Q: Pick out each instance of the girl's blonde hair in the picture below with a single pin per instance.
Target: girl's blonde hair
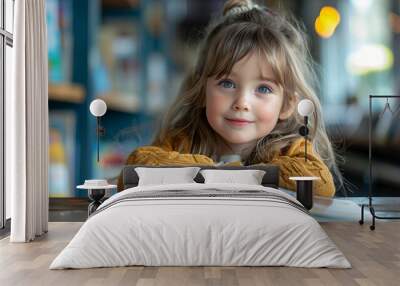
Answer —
(246, 27)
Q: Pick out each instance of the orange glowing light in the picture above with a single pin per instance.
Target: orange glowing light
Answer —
(331, 14)
(323, 28)
(327, 21)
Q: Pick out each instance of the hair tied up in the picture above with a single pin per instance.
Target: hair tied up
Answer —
(233, 7)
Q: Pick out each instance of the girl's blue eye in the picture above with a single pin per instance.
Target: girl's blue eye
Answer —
(264, 89)
(226, 84)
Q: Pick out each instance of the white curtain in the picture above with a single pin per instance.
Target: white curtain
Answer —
(27, 124)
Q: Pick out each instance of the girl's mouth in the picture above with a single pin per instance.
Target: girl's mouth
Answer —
(238, 122)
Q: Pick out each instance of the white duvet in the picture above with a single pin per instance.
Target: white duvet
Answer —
(183, 231)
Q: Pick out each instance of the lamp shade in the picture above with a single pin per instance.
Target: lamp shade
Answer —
(305, 107)
(98, 107)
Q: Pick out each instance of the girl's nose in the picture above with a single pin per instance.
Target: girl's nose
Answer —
(239, 107)
(241, 103)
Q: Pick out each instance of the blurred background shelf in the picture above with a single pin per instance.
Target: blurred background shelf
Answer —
(117, 102)
(115, 50)
(72, 93)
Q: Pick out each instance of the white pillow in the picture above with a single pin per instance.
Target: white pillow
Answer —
(162, 176)
(249, 177)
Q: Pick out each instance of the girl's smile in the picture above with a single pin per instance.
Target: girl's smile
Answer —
(239, 121)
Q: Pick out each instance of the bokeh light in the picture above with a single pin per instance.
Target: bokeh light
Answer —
(327, 21)
(370, 58)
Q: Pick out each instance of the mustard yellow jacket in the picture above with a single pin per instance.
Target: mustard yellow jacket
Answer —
(291, 163)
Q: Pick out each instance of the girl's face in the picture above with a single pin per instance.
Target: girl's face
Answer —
(245, 105)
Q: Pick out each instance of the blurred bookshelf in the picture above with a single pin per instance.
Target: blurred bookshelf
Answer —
(117, 102)
(108, 49)
(72, 93)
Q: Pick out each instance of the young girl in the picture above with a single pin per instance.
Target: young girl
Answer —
(241, 98)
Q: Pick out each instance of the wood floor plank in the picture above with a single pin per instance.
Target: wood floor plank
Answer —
(131, 276)
(212, 273)
(374, 255)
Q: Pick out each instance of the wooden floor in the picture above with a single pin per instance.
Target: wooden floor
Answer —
(374, 255)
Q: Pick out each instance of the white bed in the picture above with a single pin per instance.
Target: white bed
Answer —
(252, 225)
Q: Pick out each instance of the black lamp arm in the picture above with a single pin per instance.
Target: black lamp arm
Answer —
(304, 132)
(100, 131)
(305, 138)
